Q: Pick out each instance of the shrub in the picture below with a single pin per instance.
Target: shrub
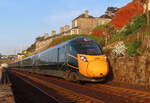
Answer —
(119, 49)
(39, 38)
(136, 25)
(32, 48)
(147, 33)
(26, 54)
(133, 47)
(62, 39)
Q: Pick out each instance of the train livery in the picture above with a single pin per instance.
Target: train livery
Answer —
(79, 59)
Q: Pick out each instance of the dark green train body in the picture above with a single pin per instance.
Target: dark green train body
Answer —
(63, 60)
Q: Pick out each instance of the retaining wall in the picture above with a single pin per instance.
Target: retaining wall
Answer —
(131, 70)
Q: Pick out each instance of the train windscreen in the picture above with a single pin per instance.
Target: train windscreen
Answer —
(87, 47)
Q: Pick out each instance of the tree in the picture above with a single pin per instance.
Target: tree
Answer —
(111, 10)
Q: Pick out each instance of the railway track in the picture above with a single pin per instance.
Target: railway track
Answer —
(63, 95)
(76, 93)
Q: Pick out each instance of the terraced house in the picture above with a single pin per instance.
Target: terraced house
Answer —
(85, 23)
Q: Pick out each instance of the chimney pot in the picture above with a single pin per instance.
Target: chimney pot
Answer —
(86, 13)
(61, 29)
(46, 36)
(53, 33)
(67, 27)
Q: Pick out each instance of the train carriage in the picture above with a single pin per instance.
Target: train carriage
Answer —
(79, 59)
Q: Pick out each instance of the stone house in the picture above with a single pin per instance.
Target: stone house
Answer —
(84, 24)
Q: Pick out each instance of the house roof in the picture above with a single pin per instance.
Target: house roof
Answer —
(83, 16)
(106, 16)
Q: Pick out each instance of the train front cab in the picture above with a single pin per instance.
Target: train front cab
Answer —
(92, 63)
(93, 67)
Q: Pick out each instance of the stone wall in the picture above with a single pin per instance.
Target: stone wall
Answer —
(131, 70)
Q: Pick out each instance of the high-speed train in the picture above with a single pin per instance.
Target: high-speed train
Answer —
(79, 59)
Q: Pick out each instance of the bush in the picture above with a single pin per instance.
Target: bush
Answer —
(133, 47)
(136, 25)
(32, 48)
(26, 54)
(119, 49)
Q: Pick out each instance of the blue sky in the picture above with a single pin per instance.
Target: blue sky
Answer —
(21, 21)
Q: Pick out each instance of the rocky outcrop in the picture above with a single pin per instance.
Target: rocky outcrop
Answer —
(131, 70)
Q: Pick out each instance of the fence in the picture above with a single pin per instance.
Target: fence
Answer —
(145, 39)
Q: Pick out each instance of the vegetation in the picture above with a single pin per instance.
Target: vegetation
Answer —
(31, 48)
(135, 26)
(146, 33)
(119, 49)
(133, 47)
(39, 38)
(62, 39)
(26, 54)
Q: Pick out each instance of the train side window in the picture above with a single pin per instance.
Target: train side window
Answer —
(70, 48)
(72, 51)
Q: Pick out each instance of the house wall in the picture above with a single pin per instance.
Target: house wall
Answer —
(86, 25)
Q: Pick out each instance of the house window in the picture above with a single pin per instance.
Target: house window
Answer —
(101, 22)
(76, 23)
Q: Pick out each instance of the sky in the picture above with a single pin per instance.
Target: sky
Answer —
(21, 21)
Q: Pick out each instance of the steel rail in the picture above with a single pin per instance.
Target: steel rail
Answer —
(39, 89)
(50, 85)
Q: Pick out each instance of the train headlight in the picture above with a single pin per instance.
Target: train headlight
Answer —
(84, 58)
(105, 57)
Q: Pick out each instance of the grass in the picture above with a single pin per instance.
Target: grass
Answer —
(62, 39)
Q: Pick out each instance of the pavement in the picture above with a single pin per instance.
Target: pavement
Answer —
(6, 94)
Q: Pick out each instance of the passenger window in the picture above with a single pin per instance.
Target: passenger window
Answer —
(70, 49)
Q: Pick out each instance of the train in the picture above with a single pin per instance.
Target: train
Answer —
(79, 59)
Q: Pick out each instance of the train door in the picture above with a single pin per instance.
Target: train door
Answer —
(35, 61)
(62, 55)
(58, 53)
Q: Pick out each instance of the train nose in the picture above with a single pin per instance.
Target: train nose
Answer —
(93, 66)
(97, 69)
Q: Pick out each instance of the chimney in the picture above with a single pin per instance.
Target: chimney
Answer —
(67, 27)
(46, 36)
(53, 33)
(86, 13)
(61, 29)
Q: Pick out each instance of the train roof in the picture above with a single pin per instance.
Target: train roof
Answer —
(78, 39)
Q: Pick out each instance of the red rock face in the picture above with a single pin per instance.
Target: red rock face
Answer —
(123, 15)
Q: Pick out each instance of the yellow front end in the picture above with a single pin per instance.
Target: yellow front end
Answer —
(93, 66)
